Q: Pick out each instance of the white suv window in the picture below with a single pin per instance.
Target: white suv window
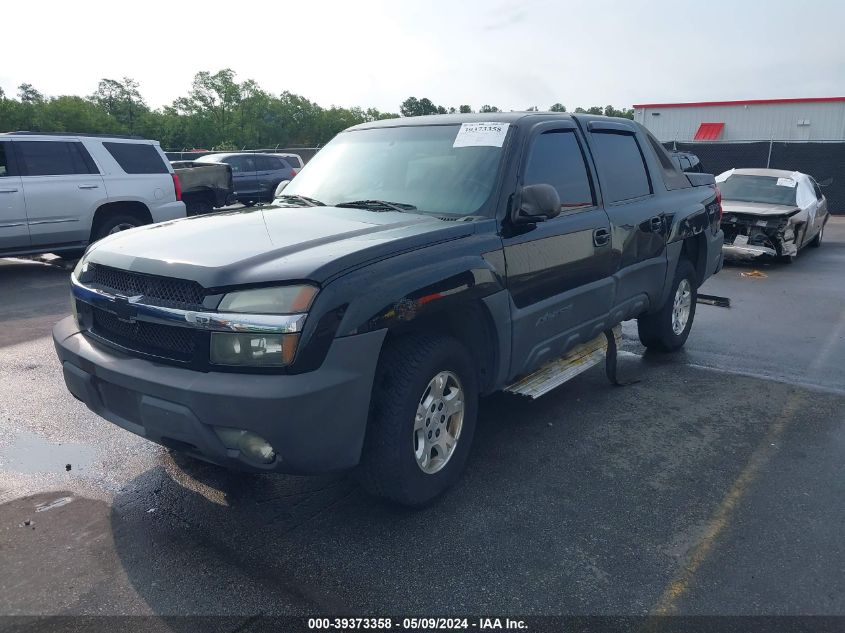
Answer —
(137, 158)
(54, 158)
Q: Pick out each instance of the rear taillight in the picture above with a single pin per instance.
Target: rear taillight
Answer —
(177, 186)
(292, 173)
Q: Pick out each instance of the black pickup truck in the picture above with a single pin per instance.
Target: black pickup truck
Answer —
(413, 266)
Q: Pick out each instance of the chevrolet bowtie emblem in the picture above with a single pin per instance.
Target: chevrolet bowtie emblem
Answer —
(124, 308)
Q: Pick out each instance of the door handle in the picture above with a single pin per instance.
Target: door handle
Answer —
(89, 186)
(8, 190)
(601, 237)
(656, 224)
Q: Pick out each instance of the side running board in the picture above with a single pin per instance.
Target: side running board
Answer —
(556, 372)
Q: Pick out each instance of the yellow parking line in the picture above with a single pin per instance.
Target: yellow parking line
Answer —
(667, 604)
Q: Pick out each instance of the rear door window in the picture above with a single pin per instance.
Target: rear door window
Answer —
(673, 177)
(137, 158)
(54, 158)
(4, 158)
(556, 159)
(241, 164)
(268, 163)
(621, 165)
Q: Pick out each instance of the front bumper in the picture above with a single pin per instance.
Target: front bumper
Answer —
(315, 421)
(748, 252)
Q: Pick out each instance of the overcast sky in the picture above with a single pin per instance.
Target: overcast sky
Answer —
(375, 54)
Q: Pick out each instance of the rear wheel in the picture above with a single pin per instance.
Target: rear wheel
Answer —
(422, 419)
(667, 329)
(116, 224)
(817, 240)
(72, 254)
(199, 207)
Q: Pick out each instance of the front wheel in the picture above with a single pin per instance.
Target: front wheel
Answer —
(422, 419)
(667, 329)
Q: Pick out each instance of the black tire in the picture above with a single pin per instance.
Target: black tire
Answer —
(114, 221)
(199, 207)
(72, 254)
(389, 467)
(817, 240)
(249, 203)
(655, 330)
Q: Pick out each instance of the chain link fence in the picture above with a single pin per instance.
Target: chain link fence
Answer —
(820, 159)
(307, 153)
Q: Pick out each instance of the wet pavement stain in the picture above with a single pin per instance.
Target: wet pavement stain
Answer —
(30, 453)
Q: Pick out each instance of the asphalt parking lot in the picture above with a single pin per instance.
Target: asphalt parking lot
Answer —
(714, 485)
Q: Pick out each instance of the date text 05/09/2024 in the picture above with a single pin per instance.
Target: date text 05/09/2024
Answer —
(415, 624)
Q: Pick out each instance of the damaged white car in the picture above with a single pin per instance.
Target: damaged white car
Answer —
(770, 213)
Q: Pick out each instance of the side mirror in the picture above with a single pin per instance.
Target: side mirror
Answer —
(537, 203)
(826, 182)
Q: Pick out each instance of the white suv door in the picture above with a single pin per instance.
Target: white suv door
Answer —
(14, 233)
(62, 187)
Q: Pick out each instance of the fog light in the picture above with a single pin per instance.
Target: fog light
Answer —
(255, 350)
(256, 447)
(253, 446)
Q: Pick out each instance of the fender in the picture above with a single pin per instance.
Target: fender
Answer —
(398, 291)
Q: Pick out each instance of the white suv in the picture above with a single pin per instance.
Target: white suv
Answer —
(58, 193)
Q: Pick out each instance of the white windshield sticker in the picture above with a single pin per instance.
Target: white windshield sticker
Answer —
(481, 135)
(786, 182)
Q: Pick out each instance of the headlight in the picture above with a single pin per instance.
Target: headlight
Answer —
(278, 300)
(260, 349)
(81, 267)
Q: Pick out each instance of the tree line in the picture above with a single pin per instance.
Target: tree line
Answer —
(218, 112)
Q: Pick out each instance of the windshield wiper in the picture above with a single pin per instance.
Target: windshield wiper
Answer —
(377, 205)
(311, 202)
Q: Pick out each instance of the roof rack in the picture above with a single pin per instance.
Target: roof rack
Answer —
(27, 133)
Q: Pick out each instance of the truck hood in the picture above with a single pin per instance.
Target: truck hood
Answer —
(268, 244)
(758, 208)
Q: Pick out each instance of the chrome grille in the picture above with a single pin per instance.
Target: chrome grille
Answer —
(155, 290)
(167, 341)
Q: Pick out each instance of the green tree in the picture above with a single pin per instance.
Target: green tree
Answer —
(28, 94)
(213, 98)
(122, 100)
(624, 112)
(217, 111)
(419, 107)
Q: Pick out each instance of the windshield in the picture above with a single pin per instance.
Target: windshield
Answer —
(413, 165)
(759, 189)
